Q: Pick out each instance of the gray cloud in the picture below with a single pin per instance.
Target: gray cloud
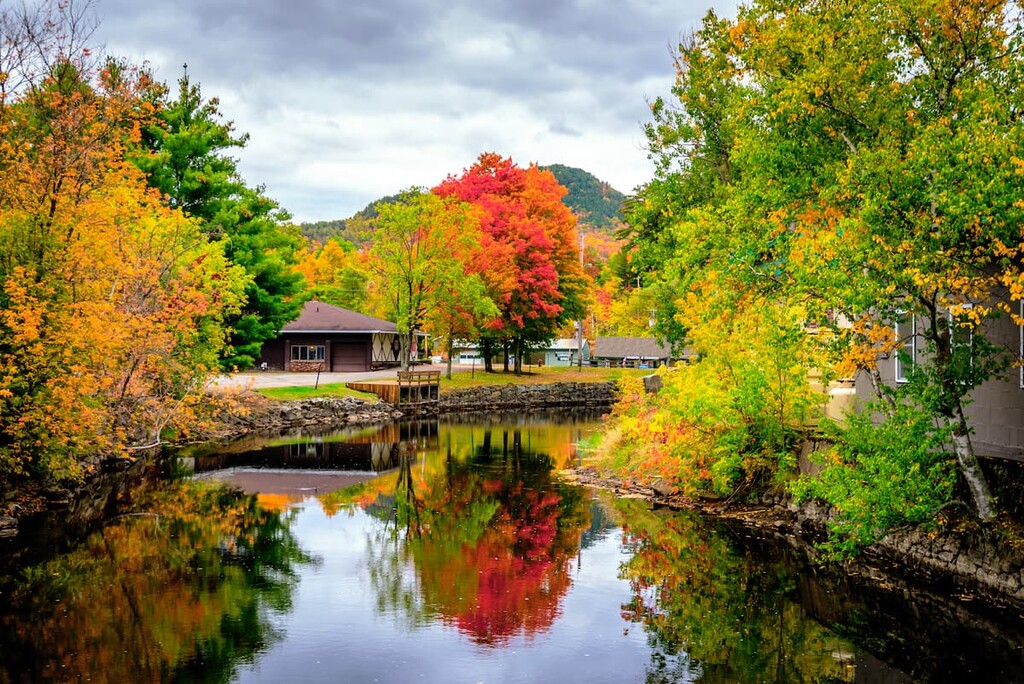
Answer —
(350, 100)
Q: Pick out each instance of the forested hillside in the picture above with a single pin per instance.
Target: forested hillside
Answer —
(595, 203)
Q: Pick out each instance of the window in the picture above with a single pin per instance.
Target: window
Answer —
(307, 352)
(957, 339)
(906, 353)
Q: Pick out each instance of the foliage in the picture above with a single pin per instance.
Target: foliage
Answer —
(487, 536)
(727, 424)
(709, 608)
(111, 303)
(595, 203)
(775, 182)
(419, 253)
(357, 229)
(879, 477)
(335, 273)
(183, 155)
(528, 257)
(190, 578)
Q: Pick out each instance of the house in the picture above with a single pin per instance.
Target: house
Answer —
(632, 351)
(995, 410)
(329, 338)
(562, 352)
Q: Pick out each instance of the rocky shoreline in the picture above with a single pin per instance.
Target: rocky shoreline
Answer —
(973, 567)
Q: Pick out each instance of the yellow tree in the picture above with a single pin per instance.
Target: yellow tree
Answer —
(335, 273)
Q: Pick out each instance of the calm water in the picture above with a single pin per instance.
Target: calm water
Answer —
(463, 560)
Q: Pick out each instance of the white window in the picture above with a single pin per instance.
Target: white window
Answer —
(906, 354)
(308, 352)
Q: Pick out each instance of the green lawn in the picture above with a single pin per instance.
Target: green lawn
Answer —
(534, 375)
(335, 389)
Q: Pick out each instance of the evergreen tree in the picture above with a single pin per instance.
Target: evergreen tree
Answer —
(184, 155)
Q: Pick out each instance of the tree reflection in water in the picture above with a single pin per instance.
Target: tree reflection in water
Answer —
(490, 538)
(181, 590)
(711, 609)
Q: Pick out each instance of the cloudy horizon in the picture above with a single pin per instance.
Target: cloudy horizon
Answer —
(347, 102)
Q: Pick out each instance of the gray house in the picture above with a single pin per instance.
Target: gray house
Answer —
(562, 352)
(631, 351)
(996, 408)
(329, 338)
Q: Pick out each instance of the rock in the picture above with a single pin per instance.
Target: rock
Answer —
(8, 527)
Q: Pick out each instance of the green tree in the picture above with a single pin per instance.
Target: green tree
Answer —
(184, 155)
(777, 176)
(420, 246)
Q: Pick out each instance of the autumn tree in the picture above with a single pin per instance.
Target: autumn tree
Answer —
(335, 273)
(184, 155)
(111, 303)
(420, 245)
(857, 164)
(529, 252)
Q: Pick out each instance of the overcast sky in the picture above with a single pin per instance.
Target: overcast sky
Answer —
(350, 100)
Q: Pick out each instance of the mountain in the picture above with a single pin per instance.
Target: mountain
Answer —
(595, 203)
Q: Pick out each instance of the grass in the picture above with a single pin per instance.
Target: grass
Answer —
(463, 379)
(333, 390)
(534, 375)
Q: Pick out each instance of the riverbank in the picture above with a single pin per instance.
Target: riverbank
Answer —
(975, 566)
(965, 562)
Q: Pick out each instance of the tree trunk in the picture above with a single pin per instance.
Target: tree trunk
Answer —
(981, 496)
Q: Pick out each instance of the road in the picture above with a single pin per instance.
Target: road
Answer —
(264, 379)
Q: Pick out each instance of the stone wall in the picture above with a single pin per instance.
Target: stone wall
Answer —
(503, 397)
(307, 366)
(262, 415)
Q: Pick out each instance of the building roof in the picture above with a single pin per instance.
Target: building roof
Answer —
(630, 348)
(321, 318)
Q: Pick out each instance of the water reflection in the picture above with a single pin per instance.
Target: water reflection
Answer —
(463, 559)
(712, 610)
(488, 533)
(182, 590)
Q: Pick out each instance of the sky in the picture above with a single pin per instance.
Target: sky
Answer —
(347, 101)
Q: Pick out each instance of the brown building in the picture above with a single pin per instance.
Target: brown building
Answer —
(329, 338)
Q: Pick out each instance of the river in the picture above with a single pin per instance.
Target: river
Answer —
(453, 553)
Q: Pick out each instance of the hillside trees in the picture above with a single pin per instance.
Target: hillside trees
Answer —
(184, 155)
(861, 163)
(529, 251)
(111, 303)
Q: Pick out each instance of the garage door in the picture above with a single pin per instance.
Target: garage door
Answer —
(349, 356)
